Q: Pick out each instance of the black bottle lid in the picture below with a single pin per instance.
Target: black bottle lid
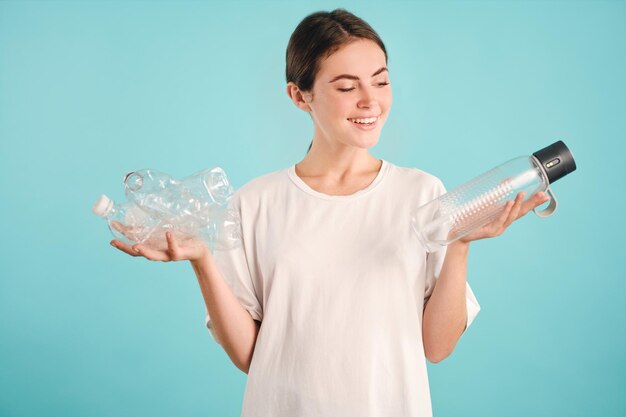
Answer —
(556, 160)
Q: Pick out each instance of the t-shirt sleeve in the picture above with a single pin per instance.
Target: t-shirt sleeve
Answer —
(434, 264)
(234, 266)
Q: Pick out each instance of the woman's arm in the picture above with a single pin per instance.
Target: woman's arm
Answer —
(445, 314)
(233, 326)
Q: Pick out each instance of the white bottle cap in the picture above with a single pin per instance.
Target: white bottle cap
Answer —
(103, 206)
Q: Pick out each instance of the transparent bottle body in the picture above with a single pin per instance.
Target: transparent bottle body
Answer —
(132, 225)
(193, 207)
(477, 202)
(224, 231)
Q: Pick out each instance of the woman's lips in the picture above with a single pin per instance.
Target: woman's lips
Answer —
(364, 126)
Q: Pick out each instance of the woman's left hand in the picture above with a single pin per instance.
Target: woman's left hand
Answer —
(513, 210)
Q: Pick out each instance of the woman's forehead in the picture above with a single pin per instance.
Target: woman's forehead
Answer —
(361, 58)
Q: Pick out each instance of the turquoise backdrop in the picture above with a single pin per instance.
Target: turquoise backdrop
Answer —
(92, 90)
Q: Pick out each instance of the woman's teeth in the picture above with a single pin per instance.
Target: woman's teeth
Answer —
(369, 120)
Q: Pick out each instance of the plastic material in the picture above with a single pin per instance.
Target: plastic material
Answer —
(472, 205)
(195, 207)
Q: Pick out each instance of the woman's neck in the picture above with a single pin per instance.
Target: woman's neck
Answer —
(338, 164)
(342, 172)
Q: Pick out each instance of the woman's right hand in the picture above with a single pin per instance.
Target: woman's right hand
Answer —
(192, 249)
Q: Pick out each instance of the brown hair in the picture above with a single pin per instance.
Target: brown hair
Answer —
(318, 36)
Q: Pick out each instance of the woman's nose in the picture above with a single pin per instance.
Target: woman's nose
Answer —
(367, 98)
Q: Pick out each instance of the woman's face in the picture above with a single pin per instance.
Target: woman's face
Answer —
(351, 95)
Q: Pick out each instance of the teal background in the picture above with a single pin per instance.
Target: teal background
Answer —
(92, 90)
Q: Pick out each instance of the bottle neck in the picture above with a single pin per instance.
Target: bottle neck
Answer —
(543, 175)
(110, 210)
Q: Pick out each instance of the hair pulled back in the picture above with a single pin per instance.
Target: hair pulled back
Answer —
(318, 36)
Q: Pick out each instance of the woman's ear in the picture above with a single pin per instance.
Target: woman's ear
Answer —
(300, 99)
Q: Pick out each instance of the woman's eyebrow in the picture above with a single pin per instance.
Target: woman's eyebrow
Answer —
(354, 77)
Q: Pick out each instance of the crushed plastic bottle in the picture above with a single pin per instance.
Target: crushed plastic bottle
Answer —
(130, 224)
(481, 200)
(195, 207)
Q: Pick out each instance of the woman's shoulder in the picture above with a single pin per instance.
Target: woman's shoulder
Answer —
(262, 184)
(415, 176)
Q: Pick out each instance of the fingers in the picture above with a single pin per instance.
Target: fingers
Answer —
(508, 215)
(130, 232)
(521, 208)
(512, 210)
(152, 254)
(118, 226)
(171, 241)
(139, 250)
(515, 210)
(172, 246)
(509, 209)
(173, 252)
(536, 200)
(123, 247)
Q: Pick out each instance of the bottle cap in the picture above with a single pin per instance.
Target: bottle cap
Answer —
(103, 206)
(556, 160)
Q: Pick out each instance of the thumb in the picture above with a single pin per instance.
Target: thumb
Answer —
(173, 247)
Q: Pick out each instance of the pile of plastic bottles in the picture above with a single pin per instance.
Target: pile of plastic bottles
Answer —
(192, 208)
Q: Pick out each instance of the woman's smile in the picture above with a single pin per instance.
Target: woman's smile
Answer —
(366, 123)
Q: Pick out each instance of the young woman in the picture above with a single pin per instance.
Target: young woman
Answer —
(331, 305)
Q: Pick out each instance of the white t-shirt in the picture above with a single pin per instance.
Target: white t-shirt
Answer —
(339, 284)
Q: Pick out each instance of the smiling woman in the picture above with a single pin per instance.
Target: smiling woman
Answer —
(329, 267)
(331, 305)
(363, 122)
(317, 38)
(352, 94)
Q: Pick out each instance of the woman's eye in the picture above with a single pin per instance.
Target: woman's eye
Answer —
(345, 90)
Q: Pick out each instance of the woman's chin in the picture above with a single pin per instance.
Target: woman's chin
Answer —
(362, 141)
(366, 143)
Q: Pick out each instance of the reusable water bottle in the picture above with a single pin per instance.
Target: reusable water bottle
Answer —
(481, 200)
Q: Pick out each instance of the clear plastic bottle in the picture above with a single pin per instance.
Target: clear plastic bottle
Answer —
(481, 200)
(224, 231)
(190, 203)
(130, 223)
(193, 207)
